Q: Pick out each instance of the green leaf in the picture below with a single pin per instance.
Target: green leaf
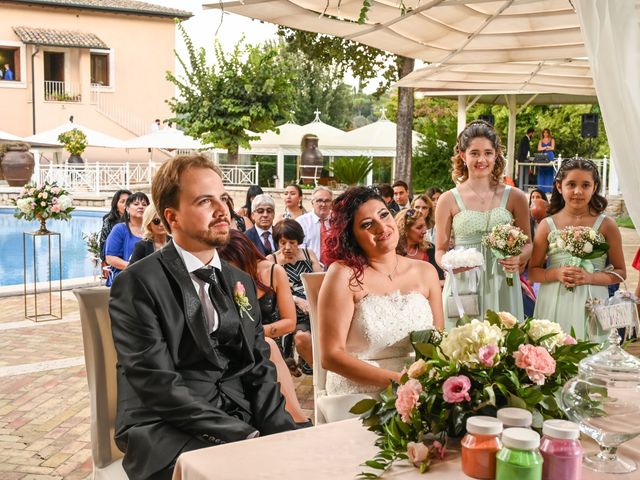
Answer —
(517, 402)
(374, 464)
(493, 318)
(363, 406)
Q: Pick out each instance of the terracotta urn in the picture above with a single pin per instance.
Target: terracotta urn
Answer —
(17, 165)
(309, 159)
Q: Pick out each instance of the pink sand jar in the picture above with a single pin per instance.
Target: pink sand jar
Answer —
(561, 451)
(479, 447)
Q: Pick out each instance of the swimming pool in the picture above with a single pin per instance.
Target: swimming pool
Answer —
(76, 261)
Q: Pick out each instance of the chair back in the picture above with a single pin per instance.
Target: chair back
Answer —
(100, 360)
(312, 283)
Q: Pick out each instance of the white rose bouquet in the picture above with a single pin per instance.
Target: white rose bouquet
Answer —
(582, 244)
(462, 258)
(505, 241)
(42, 202)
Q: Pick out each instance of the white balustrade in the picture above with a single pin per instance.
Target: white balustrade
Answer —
(55, 91)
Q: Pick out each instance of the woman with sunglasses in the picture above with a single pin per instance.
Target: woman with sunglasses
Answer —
(154, 235)
(479, 202)
(125, 235)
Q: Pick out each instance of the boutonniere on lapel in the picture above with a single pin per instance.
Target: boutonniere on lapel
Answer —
(240, 296)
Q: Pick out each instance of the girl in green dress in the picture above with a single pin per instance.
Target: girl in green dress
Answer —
(575, 201)
(466, 213)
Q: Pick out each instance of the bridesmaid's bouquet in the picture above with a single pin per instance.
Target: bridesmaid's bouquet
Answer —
(505, 241)
(582, 244)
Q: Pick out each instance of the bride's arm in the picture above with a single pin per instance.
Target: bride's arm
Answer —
(335, 312)
(433, 293)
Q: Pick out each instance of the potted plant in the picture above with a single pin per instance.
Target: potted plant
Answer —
(16, 163)
(41, 202)
(75, 142)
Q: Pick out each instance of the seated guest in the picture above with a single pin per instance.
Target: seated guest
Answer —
(238, 222)
(386, 192)
(125, 235)
(261, 234)
(401, 194)
(277, 309)
(371, 299)
(292, 203)
(538, 205)
(154, 235)
(193, 365)
(424, 205)
(115, 215)
(412, 243)
(434, 194)
(315, 224)
(296, 261)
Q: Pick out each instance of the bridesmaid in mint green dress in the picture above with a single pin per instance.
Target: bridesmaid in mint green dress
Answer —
(466, 213)
(575, 201)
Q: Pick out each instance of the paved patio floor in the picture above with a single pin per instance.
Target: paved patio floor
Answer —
(44, 398)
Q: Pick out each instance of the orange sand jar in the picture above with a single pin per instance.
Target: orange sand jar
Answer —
(480, 445)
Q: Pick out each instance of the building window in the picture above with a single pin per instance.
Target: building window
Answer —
(10, 62)
(100, 69)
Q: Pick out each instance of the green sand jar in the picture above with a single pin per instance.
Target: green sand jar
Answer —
(519, 458)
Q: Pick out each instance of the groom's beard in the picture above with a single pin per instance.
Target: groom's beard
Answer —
(213, 236)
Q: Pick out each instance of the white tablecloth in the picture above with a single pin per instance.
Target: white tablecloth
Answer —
(329, 452)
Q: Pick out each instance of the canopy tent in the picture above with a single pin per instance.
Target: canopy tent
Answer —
(490, 32)
(9, 137)
(94, 138)
(167, 138)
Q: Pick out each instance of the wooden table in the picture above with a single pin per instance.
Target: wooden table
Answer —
(333, 451)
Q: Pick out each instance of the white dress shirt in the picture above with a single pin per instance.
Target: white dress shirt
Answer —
(310, 223)
(202, 288)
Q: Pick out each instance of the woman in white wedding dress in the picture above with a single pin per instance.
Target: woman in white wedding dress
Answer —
(371, 298)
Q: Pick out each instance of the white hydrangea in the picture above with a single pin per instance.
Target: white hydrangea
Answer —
(540, 328)
(24, 204)
(65, 201)
(462, 344)
(463, 258)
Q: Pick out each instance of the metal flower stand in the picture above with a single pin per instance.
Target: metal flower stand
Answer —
(50, 286)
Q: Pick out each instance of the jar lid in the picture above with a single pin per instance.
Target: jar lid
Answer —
(481, 425)
(520, 439)
(612, 366)
(515, 417)
(561, 429)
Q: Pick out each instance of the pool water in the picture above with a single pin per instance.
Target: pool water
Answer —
(76, 260)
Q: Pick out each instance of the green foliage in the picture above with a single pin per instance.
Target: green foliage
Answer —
(625, 222)
(432, 164)
(351, 171)
(251, 88)
(74, 141)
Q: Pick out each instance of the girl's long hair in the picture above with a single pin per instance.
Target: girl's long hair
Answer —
(597, 204)
(475, 129)
(242, 253)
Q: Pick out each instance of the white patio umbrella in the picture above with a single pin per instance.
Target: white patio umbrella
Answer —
(94, 138)
(10, 137)
(167, 138)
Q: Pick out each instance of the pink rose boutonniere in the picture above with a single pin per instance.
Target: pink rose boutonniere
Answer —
(240, 296)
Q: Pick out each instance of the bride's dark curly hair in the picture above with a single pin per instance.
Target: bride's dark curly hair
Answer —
(475, 129)
(340, 243)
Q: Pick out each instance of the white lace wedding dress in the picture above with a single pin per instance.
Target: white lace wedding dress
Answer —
(379, 335)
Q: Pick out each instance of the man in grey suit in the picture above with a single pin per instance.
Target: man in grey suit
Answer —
(193, 366)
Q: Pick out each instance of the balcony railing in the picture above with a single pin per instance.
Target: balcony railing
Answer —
(55, 91)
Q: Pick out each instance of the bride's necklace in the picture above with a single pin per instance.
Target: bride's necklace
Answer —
(483, 198)
(388, 275)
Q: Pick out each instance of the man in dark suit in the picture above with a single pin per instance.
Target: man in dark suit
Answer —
(193, 366)
(524, 148)
(263, 211)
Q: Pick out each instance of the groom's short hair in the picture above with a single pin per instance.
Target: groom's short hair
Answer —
(165, 187)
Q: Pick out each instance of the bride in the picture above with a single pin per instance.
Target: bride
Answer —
(371, 298)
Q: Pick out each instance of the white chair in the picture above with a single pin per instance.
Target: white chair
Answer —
(100, 360)
(332, 408)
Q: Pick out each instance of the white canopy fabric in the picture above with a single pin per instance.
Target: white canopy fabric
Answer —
(289, 139)
(94, 138)
(379, 137)
(436, 31)
(167, 138)
(10, 137)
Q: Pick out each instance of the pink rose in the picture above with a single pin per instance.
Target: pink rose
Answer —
(240, 290)
(417, 452)
(456, 389)
(55, 208)
(536, 361)
(55, 190)
(408, 395)
(487, 355)
(569, 340)
(439, 449)
(417, 368)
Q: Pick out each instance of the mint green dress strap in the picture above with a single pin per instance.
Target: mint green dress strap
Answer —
(552, 225)
(505, 196)
(456, 195)
(598, 222)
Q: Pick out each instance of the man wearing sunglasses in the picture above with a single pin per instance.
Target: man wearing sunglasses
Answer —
(263, 211)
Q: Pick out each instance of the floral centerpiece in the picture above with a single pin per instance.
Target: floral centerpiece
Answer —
(582, 244)
(505, 241)
(43, 201)
(475, 369)
(93, 246)
(74, 140)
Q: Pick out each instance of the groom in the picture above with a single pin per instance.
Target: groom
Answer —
(193, 366)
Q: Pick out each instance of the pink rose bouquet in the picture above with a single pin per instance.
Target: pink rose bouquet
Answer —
(474, 369)
(505, 241)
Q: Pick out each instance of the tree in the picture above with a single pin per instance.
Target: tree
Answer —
(250, 89)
